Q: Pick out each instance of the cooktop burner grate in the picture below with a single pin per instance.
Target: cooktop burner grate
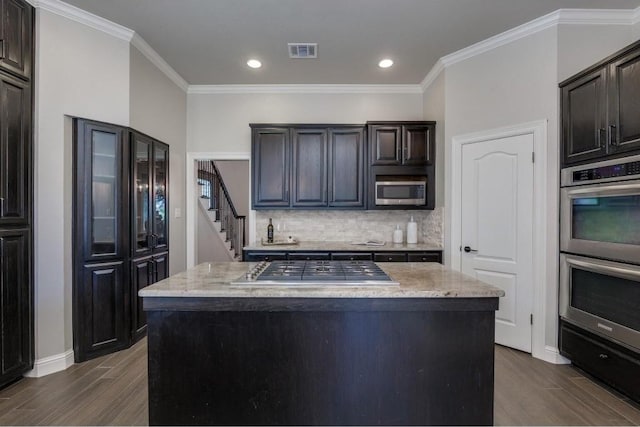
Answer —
(355, 273)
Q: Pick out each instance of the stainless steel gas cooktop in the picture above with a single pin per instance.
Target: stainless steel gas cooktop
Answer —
(315, 273)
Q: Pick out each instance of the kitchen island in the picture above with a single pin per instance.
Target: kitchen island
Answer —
(420, 352)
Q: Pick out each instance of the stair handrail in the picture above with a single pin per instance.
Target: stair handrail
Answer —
(226, 193)
(223, 206)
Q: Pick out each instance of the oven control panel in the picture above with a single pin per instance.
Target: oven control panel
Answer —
(606, 171)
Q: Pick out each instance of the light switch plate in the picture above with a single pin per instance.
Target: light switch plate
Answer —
(177, 213)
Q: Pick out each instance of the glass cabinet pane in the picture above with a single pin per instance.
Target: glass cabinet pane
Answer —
(612, 219)
(104, 192)
(159, 200)
(142, 195)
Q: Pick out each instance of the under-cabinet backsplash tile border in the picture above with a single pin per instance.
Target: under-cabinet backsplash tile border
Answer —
(347, 226)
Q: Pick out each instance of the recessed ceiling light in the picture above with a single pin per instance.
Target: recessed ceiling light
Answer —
(385, 63)
(254, 63)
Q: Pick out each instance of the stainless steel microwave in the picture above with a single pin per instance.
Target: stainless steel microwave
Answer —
(411, 191)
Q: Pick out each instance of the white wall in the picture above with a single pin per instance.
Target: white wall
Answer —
(79, 72)
(220, 122)
(580, 46)
(513, 84)
(159, 108)
(434, 102)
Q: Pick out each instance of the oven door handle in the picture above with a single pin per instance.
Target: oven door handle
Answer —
(605, 267)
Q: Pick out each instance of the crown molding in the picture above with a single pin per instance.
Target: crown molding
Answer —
(432, 75)
(83, 17)
(596, 16)
(559, 17)
(305, 88)
(636, 16)
(157, 60)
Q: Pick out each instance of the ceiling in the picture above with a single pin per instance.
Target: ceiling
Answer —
(209, 41)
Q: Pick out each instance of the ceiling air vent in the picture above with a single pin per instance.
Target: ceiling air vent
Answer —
(303, 50)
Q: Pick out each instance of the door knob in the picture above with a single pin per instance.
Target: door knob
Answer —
(468, 249)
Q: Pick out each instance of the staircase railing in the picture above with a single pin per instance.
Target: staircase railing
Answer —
(212, 187)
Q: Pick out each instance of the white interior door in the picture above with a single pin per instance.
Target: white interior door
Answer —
(497, 229)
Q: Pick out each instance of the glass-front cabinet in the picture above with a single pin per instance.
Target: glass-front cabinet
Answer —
(101, 191)
(120, 233)
(150, 170)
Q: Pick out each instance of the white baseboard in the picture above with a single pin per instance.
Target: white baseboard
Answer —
(51, 364)
(552, 355)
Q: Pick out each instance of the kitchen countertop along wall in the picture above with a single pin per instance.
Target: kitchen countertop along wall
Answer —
(341, 246)
(350, 226)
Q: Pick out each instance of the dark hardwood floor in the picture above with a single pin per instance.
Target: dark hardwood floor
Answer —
(112, 390)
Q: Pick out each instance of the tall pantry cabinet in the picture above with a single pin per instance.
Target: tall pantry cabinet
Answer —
(16, 216)
(120, 233)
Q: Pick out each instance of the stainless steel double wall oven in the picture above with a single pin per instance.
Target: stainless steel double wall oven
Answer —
(600, 248)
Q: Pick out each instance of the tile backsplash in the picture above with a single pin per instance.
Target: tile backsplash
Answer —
(347, 226)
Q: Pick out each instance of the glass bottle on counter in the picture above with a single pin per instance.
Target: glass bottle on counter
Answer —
(270, 232)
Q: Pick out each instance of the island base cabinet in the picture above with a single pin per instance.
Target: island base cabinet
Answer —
(310, 365)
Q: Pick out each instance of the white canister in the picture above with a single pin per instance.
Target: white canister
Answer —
(397, 234)
(412, 231)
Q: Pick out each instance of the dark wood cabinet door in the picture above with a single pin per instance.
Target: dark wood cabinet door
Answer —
(161, 266)
(160, 206)
(431, 256)
(15, 305)
(390, 256)
(584, 118)
(103, 306)
(252, 256)
(346, 167)
(142, 273)
(102, 191)
(624, 103)
(15, 152)
(385, 145)
(16, 44)
(418, 144)
(309, 167)
(142, 194)
(270, 153)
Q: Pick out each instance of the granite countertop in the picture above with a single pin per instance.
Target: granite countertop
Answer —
(342, 246)
(417, 280)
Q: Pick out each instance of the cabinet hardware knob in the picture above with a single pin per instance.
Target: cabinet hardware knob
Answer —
(603, 356)
(390, 258)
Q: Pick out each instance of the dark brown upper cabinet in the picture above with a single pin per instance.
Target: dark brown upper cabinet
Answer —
(270, 153)
(401, 143)
(150, 162)
(16, 37)
(600, 109)
(584, 117)
(624, 103)
(320, 166)
(309, 167)
(346, 167)
(15, 154)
